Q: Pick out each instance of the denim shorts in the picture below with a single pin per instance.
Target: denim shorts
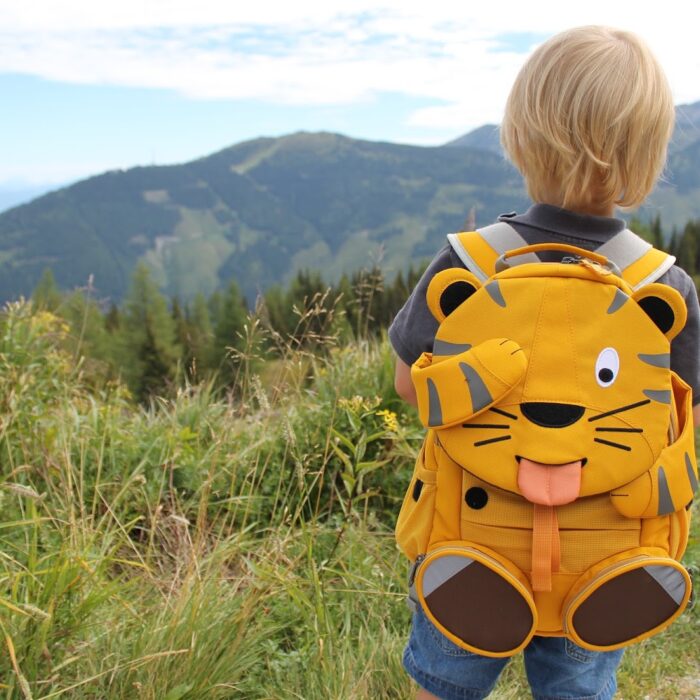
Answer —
(557, 669)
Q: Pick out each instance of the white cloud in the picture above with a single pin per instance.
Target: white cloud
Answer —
(312, 52)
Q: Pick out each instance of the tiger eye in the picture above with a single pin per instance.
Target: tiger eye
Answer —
(605, 375)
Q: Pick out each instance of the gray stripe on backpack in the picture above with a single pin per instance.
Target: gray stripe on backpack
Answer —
(665, 500)
(443, 347)
(691, 473)
(443, 570)
(434, 407)
(480, 395)
(618, 301)
(663, 359)
(658, 395)
(671, 580)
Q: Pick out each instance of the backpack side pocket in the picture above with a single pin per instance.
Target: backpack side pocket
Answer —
(416, 516)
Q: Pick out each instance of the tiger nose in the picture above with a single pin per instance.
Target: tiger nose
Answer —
(551, 415)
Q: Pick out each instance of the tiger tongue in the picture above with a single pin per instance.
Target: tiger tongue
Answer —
(548, 484)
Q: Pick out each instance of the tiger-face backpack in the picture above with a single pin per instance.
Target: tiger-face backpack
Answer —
(551, 494)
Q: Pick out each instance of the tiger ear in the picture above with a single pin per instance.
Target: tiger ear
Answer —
(664, 306)
(448, 289)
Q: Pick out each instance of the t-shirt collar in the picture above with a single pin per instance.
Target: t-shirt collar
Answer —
(568, 223)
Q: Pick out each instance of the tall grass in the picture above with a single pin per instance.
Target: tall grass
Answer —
(212, 546)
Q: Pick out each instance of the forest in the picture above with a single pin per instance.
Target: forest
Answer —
(156, 344)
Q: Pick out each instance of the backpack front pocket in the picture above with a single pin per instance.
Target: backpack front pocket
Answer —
(625, 599)
(477, 599)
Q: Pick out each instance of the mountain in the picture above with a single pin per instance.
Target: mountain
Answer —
(12, 195)
(263, 209)
(485, 137)
(687, 129)
(686, 132)
(677, 197)
(257, 212)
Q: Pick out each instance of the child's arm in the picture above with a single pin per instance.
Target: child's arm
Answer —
(404, 386)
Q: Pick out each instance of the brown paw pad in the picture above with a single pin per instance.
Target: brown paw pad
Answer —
(476, 604)
(629, 605)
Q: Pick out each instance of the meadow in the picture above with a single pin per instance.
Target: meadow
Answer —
(218, 544)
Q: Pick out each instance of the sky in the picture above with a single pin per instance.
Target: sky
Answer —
(95, 86)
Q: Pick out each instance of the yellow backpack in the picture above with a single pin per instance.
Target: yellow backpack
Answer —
(551, 494)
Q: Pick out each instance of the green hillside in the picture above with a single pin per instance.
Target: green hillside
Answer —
(261, 210)
(257, 212)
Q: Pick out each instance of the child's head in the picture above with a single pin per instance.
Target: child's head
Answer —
(588, 120)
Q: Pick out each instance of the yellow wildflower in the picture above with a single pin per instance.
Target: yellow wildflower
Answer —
(391, 421)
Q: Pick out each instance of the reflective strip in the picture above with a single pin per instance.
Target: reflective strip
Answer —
(624, 248)
(665, 500)
(648, 268)
(502, 237)
(434, 408)
(480, 249)
(477, 389)
(663, 359)
(691, 473)
(443, 347)
(658, 395)
(665, 266)
(618, 301)
(494, 291)
(671, 580)
(640, 263)
(442, 570)
(465, 257)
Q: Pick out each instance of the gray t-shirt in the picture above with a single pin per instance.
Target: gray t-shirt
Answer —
(413, 330)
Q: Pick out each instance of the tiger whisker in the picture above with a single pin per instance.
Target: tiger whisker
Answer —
(504, 413)
(619, 430)
(620, 410)
(612, 444)
(494, 426)
(480, 443)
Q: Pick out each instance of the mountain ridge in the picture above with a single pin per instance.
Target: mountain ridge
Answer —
(262, 209)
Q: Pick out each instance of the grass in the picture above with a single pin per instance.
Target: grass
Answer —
(209, 547)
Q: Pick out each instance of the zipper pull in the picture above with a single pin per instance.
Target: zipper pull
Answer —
(414, 568)
(412, 599)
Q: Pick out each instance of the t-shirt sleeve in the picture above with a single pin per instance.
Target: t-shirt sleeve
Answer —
(685, 347)
(413, 329)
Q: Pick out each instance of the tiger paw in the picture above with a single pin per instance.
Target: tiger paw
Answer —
(482, 604)
(451, 390)
(627, 602)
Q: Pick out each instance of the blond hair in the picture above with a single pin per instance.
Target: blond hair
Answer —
(588, 119)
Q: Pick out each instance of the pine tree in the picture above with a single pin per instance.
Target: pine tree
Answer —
(228, 332)
(150, 350)
(156, 366)
(46, 294)
(90, 336)
(687, 252)
(276, 311)
(657, 236)
(183, 335)
(202, 335)
(113, 319)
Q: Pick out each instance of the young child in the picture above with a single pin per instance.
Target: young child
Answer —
(587, 123)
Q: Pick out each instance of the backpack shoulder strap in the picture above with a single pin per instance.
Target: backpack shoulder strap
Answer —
(638, 260)
(480, 249)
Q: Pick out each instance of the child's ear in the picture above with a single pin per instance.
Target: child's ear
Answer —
(448, 289)
(664, 306)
